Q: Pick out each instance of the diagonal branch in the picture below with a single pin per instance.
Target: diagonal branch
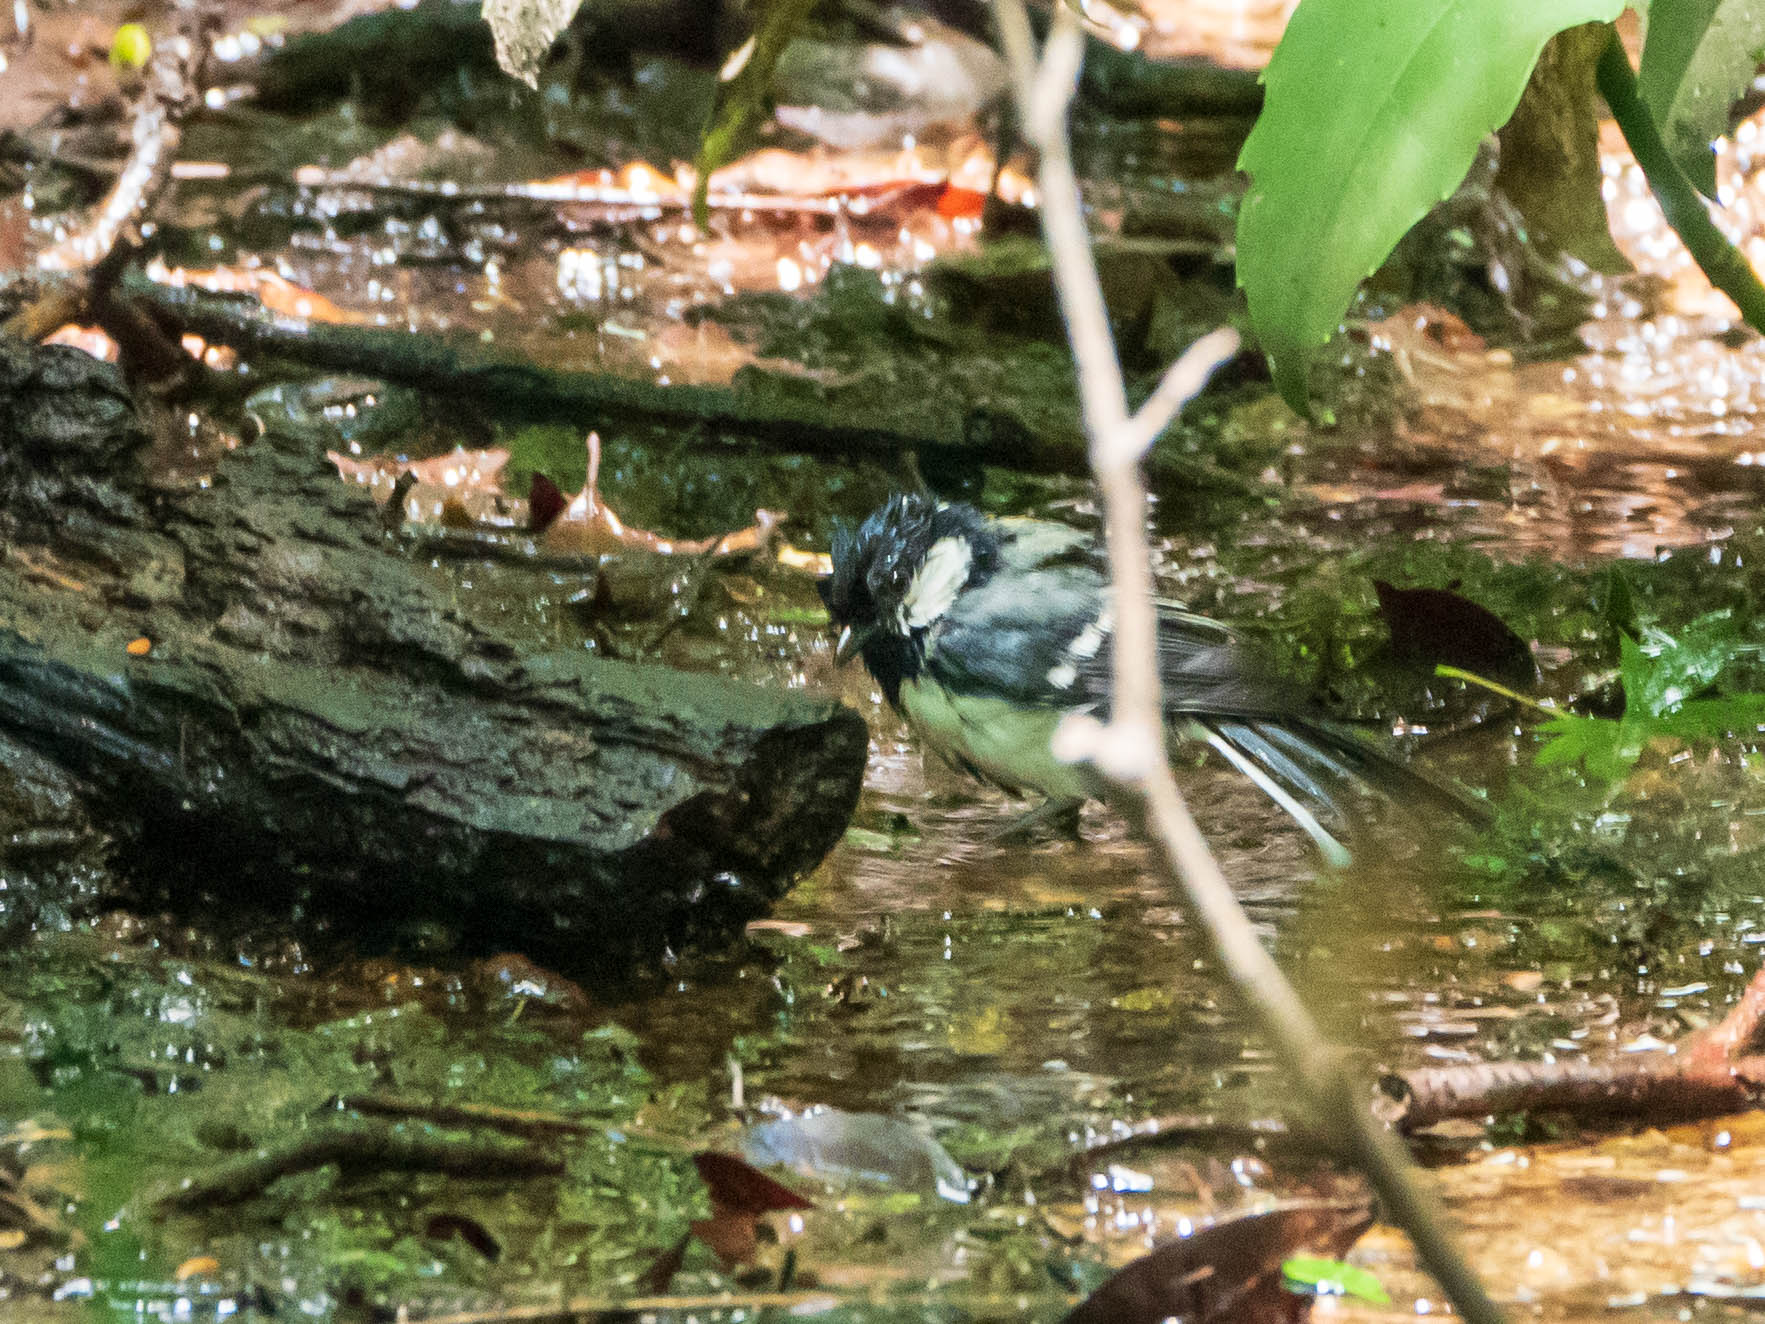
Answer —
(1129, 748)
(172, 85)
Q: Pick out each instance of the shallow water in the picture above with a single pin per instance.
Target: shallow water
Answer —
(1022, 1001)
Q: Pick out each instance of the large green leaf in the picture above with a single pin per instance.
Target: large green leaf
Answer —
(1698, 58)
(1372, 113)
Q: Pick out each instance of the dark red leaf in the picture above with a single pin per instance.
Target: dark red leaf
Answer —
(1435, 625)
(1229, 1271)
(544, 503)
(659, 1277)
(742, 1188)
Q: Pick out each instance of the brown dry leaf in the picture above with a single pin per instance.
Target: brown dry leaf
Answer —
(740, 1195)
(589, 526)
(821, 180)
(464, 488)
(459, 471)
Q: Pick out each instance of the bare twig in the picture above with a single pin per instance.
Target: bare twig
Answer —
(170, 91)
(1129, 748)
(1649, 1090)
(73, 278)
(358, 1151)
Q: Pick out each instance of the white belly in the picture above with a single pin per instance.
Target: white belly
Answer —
(995, 740)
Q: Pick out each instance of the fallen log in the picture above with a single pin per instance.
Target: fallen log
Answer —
(263, 695)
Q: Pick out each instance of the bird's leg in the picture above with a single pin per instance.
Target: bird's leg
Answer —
(1056, 817)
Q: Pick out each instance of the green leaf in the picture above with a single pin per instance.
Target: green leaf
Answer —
(1373, 113)
(1698, 58)
(744, 92)
(1661, 671)
(1605, 748)
(1713, 719)
(1320, 1277)
(1662, 675)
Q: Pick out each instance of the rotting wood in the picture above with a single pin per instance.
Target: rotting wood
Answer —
(313, 717)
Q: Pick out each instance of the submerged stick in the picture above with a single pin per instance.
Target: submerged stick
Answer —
(785, 415)
(358, 1151)
(1650, 1090)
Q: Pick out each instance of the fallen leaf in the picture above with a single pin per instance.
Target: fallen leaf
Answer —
(741, 1187)
(275, 292)
(1431, 626)
(589, 526)
(1230, 1270)
(544, 503)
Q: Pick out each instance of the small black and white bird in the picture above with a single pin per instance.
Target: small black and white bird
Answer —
(985, 633)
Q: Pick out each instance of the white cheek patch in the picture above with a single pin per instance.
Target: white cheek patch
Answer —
(936, 583)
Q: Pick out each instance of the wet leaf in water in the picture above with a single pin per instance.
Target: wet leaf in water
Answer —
(742, 1188)
(1435, 625)
(830, 1143)
(458, 472)
(1306, 1275)
(740, 1194)
(276, 292)
(1229, 1271)
(544, 503)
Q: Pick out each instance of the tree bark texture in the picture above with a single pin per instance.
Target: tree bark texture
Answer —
(315, 715)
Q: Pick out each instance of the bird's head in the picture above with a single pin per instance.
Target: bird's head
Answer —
(897, 574)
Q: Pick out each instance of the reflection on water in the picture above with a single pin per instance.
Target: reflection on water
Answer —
(1652, 438)
(1056, 990)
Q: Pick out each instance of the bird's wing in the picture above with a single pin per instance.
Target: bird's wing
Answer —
(1014, 637)
(1040, 635)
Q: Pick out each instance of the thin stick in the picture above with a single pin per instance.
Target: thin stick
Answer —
(1129, 748)
(170, 90)
(1655, 1089)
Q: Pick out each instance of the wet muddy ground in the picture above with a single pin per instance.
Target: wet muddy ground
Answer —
(1016, 1002)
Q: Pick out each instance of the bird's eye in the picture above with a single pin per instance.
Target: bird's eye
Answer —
(897, 578)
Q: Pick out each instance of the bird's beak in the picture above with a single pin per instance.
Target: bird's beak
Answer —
(852, 642)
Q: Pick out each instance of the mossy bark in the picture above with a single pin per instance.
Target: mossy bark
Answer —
(313, 714)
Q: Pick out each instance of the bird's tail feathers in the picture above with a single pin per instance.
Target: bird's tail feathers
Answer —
(1310, 768)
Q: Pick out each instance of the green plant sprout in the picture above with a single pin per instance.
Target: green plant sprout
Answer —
(1667, 682)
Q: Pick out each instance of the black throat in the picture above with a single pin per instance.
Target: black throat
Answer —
(904, 533)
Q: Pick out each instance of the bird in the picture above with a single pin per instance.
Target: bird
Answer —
(986, 633)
